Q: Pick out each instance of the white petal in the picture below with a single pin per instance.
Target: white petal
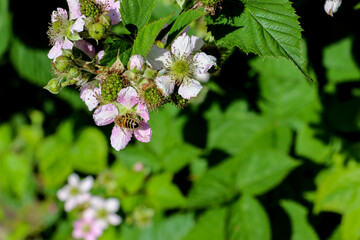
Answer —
(73, 179)
(63, 193)
(97, 202)
(196, 43)
(190, 88)
(70, 204)
(202, 77)
(105, 114)
(86, 184)
(74, 9)
(182, 46)
(143, 111)
(120, 138)
(89, 95)
(204, 62)
(89, 213)
(114, 219)
(165, 84)
(112, 204)
(157, 57)
(128, 97)
(78, 25)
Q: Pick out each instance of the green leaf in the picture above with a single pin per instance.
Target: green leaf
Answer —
(136, 12)
(163, 194)
(210, 225)
(350, 225)
(147, 35)
(5, 26)
(248, 220)
(120, 47)
(263, 27)
(89, 153)
(182, 22)
(177, 157)
(261, 170)
(301, 229)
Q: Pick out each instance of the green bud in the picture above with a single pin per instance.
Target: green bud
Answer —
(105, 20)
(62, 63)
(73, 73)
(53, 86)
(97, 31)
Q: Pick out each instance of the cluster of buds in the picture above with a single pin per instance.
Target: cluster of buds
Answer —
(97, 213)
(123, 93)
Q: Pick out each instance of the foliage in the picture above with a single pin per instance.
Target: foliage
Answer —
(261, 154)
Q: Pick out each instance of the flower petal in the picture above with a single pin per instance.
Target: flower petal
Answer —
(157, 57)
(190, 88)
(97, 202)
(112, 204)
(59, 13)
(63, 193)
(86, 184)
(196, 43)
(114, 219)
(78, 25)
(202, 77)
(165, 84)
(128, 97)
(120, 138)
(74, 9)
(105, 114)
(89, 94)
(204, 62)
(73, 179)
(86, 47)
(182, 46)
(143, 111)
(143, 133)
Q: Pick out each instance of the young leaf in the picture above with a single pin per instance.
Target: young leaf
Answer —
(136, 12)
(248, 220)
(147, 35)
(263, 27)
(301, 229)
(182, 22)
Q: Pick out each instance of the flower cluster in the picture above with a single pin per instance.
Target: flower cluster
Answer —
(98, 213)
(123, 91)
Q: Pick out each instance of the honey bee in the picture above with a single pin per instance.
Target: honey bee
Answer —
(127, 121)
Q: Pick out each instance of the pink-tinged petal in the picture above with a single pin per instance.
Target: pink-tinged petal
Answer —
(86, 184)
(78, 25)
(70, 204)
(90, 95)
(73, 179)
(156, 57)
(86, 47)
(56, 50)
(182, 46)
(143, 111)
(105, 114)
(112, 204)
(196, 43)
(59, 13)
(120, 138)
(114, 219)
(74, 9)
(190, 88)
(165, 84)
(204, 62)
(114, 12)
(99, 56)
(97, 202)
(128, 97)
(89, 213)
(143, 133)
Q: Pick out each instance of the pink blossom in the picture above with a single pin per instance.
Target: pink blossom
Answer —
(89, 94)
(112, 7)
(87, 229)
(128, 104)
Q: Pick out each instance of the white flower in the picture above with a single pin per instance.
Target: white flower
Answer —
(75, 192)
(331, 6)
(181, 67)
(90, 94)
(103, 211)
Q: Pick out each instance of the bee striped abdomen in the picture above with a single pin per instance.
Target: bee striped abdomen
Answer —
(126, 122)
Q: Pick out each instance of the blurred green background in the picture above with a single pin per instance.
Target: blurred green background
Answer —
(261, 154)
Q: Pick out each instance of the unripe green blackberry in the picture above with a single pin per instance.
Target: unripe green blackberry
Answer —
(62, 63)
(111, 87)
(153, 98)
(178, 100)
(90, 9)
(97, 31)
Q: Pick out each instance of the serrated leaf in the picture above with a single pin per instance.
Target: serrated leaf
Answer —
(263, 27)
(118, 47)
(136, 12)
(301, 228)
(182, 22)
(248, 220)
(147, 35)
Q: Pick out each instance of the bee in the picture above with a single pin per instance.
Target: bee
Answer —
(127, 121)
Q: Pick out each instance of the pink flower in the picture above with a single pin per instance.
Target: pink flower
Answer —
(103, 211)
(89, 94)
(181, 67)
(75, 192)
(128, 108)
(87, 229)
(112, 7)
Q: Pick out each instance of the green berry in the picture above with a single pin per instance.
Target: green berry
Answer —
(90, 9)
(111, 87)
(153, 98)
(179, 101)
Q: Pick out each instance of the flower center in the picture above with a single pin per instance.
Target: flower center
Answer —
(102, 213)
(86, 228)
(74, 191)
(181, 69)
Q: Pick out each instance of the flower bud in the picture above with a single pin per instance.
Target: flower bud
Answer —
(136, 63)
(73, 73)
(97, 31)
(53, 86)
(105, 20)
(62, 63)
(331, 6)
